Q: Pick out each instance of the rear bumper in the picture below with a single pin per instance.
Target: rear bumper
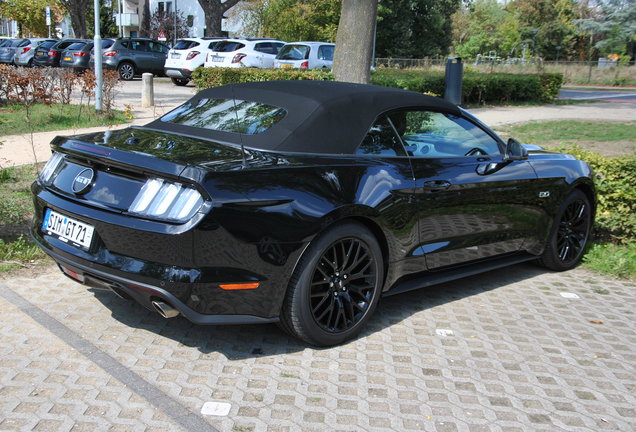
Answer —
(177, 73)
(142, 293)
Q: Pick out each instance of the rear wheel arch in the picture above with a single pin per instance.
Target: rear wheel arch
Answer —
(292, 319)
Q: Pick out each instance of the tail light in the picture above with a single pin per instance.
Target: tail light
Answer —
(237, 58)
(52, 53)
(192, 54)
(79, 54)
(167, 201)
(304, 65)
(112, 53)
(25, 50)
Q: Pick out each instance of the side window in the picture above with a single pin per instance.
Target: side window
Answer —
(435, 135)
(381, 140)
(265, 47)
(325, 52)
(139, 45)
(158, 48)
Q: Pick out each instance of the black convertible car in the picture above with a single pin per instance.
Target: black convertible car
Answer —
(303, 203)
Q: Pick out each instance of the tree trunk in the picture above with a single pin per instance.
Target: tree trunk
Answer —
(77, 10)
(144, 22)
(354, 41)
(214, 10)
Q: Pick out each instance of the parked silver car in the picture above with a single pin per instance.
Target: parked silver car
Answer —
(25, 51)
(7, 49)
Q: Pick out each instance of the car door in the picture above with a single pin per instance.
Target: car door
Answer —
(387, 186)
(470, 203)
(142, 56)
(159, 53)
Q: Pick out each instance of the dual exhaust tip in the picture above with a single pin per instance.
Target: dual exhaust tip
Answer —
(165, 310)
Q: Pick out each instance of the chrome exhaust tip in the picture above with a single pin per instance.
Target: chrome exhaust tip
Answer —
(165, 310)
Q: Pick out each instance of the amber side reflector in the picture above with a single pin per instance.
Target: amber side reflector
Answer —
(240, 286)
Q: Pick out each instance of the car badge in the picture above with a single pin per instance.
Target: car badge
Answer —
(83, 181)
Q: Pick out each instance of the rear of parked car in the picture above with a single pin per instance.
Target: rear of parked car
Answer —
(187, 55)
(257, 53)
(78, 54)
(7, 48)
(133, 56)
(306, 55)
(25, 52)
(50, 55)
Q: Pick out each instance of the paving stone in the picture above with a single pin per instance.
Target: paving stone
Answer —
(521, 357)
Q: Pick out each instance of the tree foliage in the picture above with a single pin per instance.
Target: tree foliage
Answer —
(30, 15)
(161, 20)
(414, 28)
(295, 20)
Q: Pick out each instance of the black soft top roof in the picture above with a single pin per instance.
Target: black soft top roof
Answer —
(322, 116)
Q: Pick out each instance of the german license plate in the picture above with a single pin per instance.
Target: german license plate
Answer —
(175, 55)
(217, 58)
(69, 230)
(287, 65)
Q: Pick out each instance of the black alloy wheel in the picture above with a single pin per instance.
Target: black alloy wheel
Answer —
(342, 285)
(570, 233)
(126, 71)
(335, 287)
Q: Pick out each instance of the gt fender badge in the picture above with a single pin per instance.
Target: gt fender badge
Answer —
(544, 194)
(83, 181)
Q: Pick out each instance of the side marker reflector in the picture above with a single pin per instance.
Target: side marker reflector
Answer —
(240, 286)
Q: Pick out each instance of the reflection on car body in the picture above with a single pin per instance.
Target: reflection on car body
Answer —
(303, 202)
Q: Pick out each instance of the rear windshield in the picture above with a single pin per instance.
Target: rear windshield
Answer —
(47, 44)
(294, 52)
(76, 46)
(228, 46)
(185, 44)
(227, 115)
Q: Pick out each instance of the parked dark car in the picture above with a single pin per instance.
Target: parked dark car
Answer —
(77, 55)
(7, 50)
(133, 56)
(49, 55)
(303, 202)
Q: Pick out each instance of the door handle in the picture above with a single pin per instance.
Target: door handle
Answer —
(436, 185)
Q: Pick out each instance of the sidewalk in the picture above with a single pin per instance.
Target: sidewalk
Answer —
(17, 149)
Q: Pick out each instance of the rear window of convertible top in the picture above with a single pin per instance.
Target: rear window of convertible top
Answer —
(228, 115)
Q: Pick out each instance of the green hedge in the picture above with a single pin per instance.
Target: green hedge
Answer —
(614, 178)
(477, 87)
(212, 77)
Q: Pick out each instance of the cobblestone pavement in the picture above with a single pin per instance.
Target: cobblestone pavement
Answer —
(519, 349)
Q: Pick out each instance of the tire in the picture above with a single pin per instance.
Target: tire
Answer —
(335, 287)
(570, 233)
(126, 71)
(180, 81)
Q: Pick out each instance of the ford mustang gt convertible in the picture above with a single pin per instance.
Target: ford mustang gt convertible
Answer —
(303, 203)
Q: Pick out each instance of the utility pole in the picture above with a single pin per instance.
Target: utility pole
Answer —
(98, 59)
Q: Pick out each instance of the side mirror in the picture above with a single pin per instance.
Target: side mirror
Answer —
(515, 151)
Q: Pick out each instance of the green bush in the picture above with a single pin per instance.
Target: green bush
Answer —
(214, 77)
(614, 179)
(478, 88)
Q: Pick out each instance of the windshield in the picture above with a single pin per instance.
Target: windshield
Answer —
(228, 46)
(294, 52)
(185, 44)
(227, 115)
